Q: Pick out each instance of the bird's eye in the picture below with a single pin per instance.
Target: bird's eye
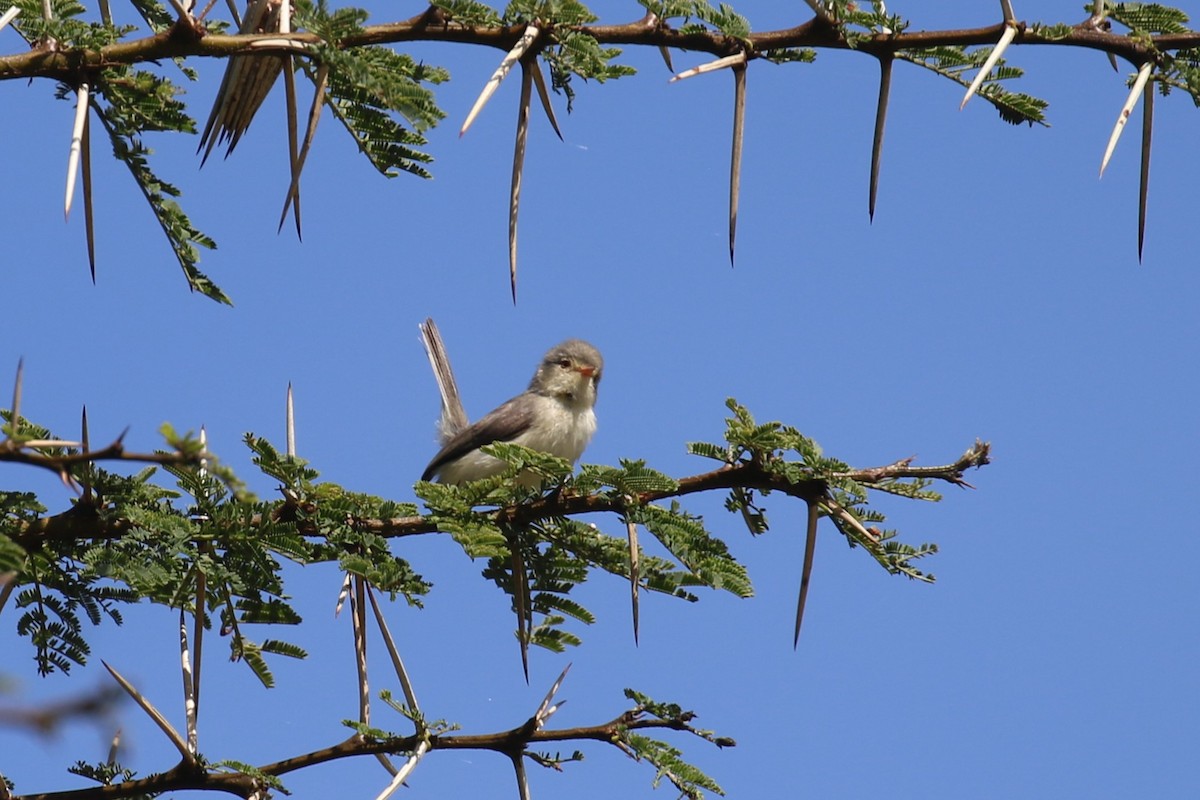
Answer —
(565, 363)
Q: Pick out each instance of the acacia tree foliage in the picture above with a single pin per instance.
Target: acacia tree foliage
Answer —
(213, 552)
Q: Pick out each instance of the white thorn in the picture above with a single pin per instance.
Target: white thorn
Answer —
(279, 43)
(523, 44)
(1139, 84)
(203, 451)
(711, 66)
(819, 9)
(9, 16)
(1006, 38)
(291, 424)
(81, 107)
(182, 10)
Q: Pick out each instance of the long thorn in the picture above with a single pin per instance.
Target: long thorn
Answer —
(1010, 32)
(293, 127)
(1144, 183)
(512, 57)
(314, 115)
(81, 109)
(518, 760)
(358, 613)
(539, 80)
(403, 773)
(113, 747)
(181, 10)
(189, 686)
(634, 577)
(89, 218)
(343, 593)
(154, 714)
(291, 424)
(85, 447)
(8, 582)
(666, 57)
(1007, 9)
(521, 604)
(544, 708)
(15, 422)
(881, 108)
(735, 158)
(410, 694)
(820, 10)
(198, 648)
(712, 66)
(514, 198)
(1139, 84)
(810, 544)
(203, 451)
(8, 16)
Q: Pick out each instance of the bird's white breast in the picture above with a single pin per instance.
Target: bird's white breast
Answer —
(559, 427)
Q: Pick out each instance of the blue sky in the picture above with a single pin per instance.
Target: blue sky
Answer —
(996, 295)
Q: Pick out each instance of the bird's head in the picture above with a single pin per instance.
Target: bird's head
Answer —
(570, 371)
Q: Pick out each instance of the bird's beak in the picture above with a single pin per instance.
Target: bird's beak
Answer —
(586, 372)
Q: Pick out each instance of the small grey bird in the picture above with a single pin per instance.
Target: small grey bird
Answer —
(554, 415)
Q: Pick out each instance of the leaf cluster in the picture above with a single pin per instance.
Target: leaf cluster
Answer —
(666, 759)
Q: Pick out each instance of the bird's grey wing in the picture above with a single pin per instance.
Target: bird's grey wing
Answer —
(500, 425)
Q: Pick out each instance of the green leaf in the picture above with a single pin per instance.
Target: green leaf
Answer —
(1150, 18)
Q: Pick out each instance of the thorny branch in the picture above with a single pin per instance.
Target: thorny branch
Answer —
(513, 741)
(191, 39)
(80, 522)
(16, 452)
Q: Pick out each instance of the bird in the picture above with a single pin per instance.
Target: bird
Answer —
(554, 415)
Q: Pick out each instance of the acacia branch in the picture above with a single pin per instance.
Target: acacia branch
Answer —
(82, 522)
(186, 40)
(509, 742)
(16, 452)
